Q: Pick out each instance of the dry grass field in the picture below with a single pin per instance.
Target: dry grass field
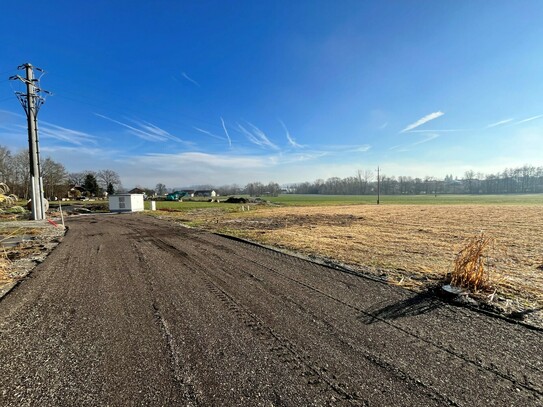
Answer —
(410, 245)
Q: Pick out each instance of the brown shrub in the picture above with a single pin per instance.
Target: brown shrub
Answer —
(471, 267)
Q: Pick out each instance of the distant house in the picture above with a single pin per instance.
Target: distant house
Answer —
(76, 191)
(206, 193)
(136, 191)
(189, 192)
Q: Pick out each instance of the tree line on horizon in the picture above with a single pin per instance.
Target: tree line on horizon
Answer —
(522, 180)
(57, 181)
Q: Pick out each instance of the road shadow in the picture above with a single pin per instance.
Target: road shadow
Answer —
(421, 303)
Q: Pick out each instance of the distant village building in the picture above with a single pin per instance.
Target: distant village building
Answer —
(189, 192)
(136, 191)
(207, 193)
(76, 191)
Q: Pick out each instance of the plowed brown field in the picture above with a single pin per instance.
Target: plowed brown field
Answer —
(408, 244)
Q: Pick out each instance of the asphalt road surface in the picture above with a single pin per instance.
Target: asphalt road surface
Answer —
(133, 311)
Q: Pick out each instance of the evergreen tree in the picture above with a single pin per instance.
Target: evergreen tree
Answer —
(91, 185)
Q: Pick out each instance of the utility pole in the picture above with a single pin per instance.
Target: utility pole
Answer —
(31, 102)
(378, 186)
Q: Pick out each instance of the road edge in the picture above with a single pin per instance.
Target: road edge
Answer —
(345, 269)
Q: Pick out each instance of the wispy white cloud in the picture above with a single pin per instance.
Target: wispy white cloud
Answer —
(10, 113)
(499, 123)
(439, 131)
(52, 131)
(166, 161)
(257, 136)
(226, 133)
(362, 149)
(156, 131)
(529, 119)
(308, 156)
(77, 151)
(423, 120)
(217, 163)
(291, 140)
(145, 130)
(208, 133)
(427, 138)
(188, 78)
(76, 137)
(343, 148)
(402, 148)
(383, 126)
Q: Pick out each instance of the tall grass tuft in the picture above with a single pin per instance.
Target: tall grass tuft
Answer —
(6, 200)
(4, 265)
(471, 268)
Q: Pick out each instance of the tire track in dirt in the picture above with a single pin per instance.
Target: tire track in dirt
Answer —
(196, 319)
(281, 348)
(372, 357)
(284, 350)
(374, 316)
(464, 361)
(184, 386)
(255, 323)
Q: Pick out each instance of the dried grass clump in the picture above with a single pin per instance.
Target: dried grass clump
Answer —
(471, 268)
(6, 200)
(4, 266)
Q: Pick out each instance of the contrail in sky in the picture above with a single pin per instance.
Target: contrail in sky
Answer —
(425, 119)
(291, 141)
(147, 131)
(226, 132)
(499, 123)
(427, 138)
(257, 136)
(188, 78)
(529, 119)
(208, 133)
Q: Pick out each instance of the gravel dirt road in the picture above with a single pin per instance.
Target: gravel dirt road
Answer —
(129, 310)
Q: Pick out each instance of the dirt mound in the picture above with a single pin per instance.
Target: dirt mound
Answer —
(236, 200)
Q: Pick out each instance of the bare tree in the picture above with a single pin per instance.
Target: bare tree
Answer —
(106, 177)
(55, 179)
(161, 189)
(76, 178)
(469, 177)
(273, 189)
(364, 178)
(5, 160)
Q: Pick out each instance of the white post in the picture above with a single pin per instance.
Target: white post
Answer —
(153, 205)
(61, 214)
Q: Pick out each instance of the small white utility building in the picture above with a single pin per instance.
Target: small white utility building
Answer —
(126, 203)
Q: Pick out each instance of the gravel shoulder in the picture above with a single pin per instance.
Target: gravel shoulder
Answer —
(131, 310)
(40, 238)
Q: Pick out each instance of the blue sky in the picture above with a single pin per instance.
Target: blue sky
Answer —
(222, 92)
